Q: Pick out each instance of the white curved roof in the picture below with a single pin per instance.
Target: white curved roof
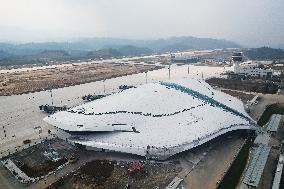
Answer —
(164, 115)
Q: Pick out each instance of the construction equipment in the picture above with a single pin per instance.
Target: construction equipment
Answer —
(92, 97)
(124, 87)
(136, 168)
(52, 109)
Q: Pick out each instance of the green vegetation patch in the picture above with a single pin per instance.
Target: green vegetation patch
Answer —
(270, 109)
(264, 53)
(231, 179)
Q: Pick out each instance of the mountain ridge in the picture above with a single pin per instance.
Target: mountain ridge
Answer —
(92, 44)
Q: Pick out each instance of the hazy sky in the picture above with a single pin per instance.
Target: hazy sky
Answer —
(248, 22)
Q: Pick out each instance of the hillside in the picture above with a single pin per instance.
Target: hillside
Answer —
(127, 50)
(104, 53)
(264, 53)
(39, 58)
(38, 53)
(187, 43)
(133, 50)
(3, 54)
(53, 54)
(92, 44)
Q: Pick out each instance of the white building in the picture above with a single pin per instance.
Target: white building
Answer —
(156, 120)
(250, 68)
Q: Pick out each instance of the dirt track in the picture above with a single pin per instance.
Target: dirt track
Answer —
(37, 80)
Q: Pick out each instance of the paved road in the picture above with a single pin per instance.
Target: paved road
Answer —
(212, 164)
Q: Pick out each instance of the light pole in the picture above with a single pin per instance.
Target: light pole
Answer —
(104, 86)
(146, 77)
(51, 97)
(170, 71)
(187, 68)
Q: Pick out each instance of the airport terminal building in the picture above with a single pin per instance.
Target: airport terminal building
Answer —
(156, 120)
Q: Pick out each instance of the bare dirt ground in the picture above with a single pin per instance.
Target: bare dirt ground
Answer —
(7, 180)
(34, 163)
(102, 174)
(205, 174)
(244, 97)
(266, 99)
(43, 79)
(258, 85)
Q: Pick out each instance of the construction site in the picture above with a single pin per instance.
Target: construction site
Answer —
(57, 164)
(123, 94)
(113, 174)
(40, 160)
(35, 156)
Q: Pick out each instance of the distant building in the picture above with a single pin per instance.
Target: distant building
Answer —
(237, 57)
(184, 59)
(249, 69)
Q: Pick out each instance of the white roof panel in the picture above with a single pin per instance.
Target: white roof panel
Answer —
(162, 116)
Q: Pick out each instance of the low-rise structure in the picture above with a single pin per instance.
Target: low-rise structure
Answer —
(249, 69)
(252, 69)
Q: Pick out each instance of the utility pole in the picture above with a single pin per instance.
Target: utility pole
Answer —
(51, 97)
(187, 69)
(170, 62)
(169, 71)
(146, 77)
(104, 86)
